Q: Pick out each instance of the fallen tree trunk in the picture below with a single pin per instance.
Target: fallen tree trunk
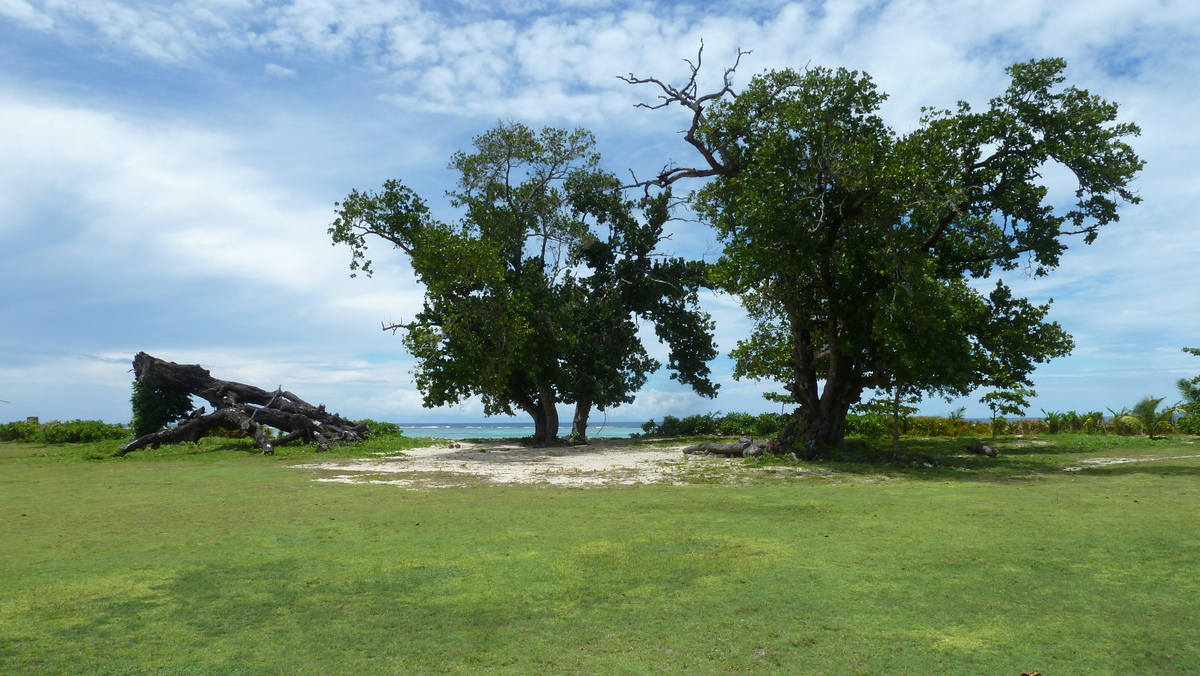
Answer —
(745, 447)
(238, 406)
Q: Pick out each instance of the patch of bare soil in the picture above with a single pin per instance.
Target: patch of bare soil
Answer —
(603, 462)
(1105, 462)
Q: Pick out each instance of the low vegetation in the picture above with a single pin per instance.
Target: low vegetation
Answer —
(212, 558)
(873, 422)
(56, 432)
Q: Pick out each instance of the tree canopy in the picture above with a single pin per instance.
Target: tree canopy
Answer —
(532, 299)
(859, 252)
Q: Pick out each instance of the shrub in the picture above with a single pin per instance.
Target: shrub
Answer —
(1189, 421)
(870, 424)
(715, 424)
(56, 432)
(21, 431)
(154, 408)
(379, 429)
(933, 426)
(1091, 422)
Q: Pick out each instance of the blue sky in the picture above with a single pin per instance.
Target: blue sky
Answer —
(168, 171)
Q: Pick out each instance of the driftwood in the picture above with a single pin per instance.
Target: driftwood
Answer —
(745, 447)
(238, 406)
(981, 449)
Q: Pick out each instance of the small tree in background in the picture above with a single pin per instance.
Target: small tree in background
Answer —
(154, 408)
(1189, 390)
(1145, 415)
(1011, 401)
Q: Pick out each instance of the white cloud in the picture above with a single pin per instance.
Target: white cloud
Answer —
(175, 211)
(172, 198)
(24, 13)
(276, 70)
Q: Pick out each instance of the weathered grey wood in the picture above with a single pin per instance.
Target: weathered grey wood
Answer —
(238, 406)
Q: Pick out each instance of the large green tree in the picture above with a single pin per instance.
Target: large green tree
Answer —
(532, 299)
(623, 279)
(855, 247)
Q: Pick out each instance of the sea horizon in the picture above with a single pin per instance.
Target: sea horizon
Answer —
(500, 430)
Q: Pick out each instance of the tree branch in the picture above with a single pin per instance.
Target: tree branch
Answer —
(688, 97)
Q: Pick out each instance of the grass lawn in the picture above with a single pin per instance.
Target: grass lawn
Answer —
(215, 560)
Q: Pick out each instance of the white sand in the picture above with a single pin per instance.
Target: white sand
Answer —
(603, 462)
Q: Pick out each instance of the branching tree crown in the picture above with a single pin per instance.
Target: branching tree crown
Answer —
(853, 247)
(526, 304)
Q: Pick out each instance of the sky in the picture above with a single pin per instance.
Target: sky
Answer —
(168, 171)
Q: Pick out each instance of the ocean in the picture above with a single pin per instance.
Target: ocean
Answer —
(513, 429)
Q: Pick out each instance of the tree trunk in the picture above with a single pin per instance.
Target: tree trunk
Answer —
(239, 407)
(545, 417)
(583, 409)
(821, 422)
(896, 421)
(824, 430)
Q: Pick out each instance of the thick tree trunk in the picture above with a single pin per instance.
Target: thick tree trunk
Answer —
(580, 422)
(545, 417)
(820, 420)
(239, 407)
(549, 402)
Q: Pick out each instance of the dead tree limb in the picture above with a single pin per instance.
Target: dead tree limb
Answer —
(688, 96)
(238, 406)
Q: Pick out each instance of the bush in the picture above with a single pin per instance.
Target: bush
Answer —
(870, 424)
(934, 426)
(1189, 422)
(55, 432)
(1091, 422)
(21, 431)
(154, 408)
(379, 429)
(714, 424)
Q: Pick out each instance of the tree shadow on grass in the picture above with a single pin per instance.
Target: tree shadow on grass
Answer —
(1019, 458)
(1167, 467)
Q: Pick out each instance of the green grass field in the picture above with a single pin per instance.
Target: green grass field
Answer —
(211, 559)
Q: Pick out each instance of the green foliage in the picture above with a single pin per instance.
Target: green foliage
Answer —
(1189, 388)
(1012, 400)
(381, 428)
(870, 424)
(758, 426)
(934, 426)
(879, 417)
(56, 432)
(1188, 409)
(1189, 420)
(1091, 422)
(883, 232)
(155, 408)
(533, 297)
(21, 430)
(1145, 416)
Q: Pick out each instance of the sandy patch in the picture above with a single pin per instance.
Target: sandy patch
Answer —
(603, 462)
(1105, 462)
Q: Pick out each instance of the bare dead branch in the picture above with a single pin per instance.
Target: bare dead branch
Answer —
(239, 407)
(689, 97)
